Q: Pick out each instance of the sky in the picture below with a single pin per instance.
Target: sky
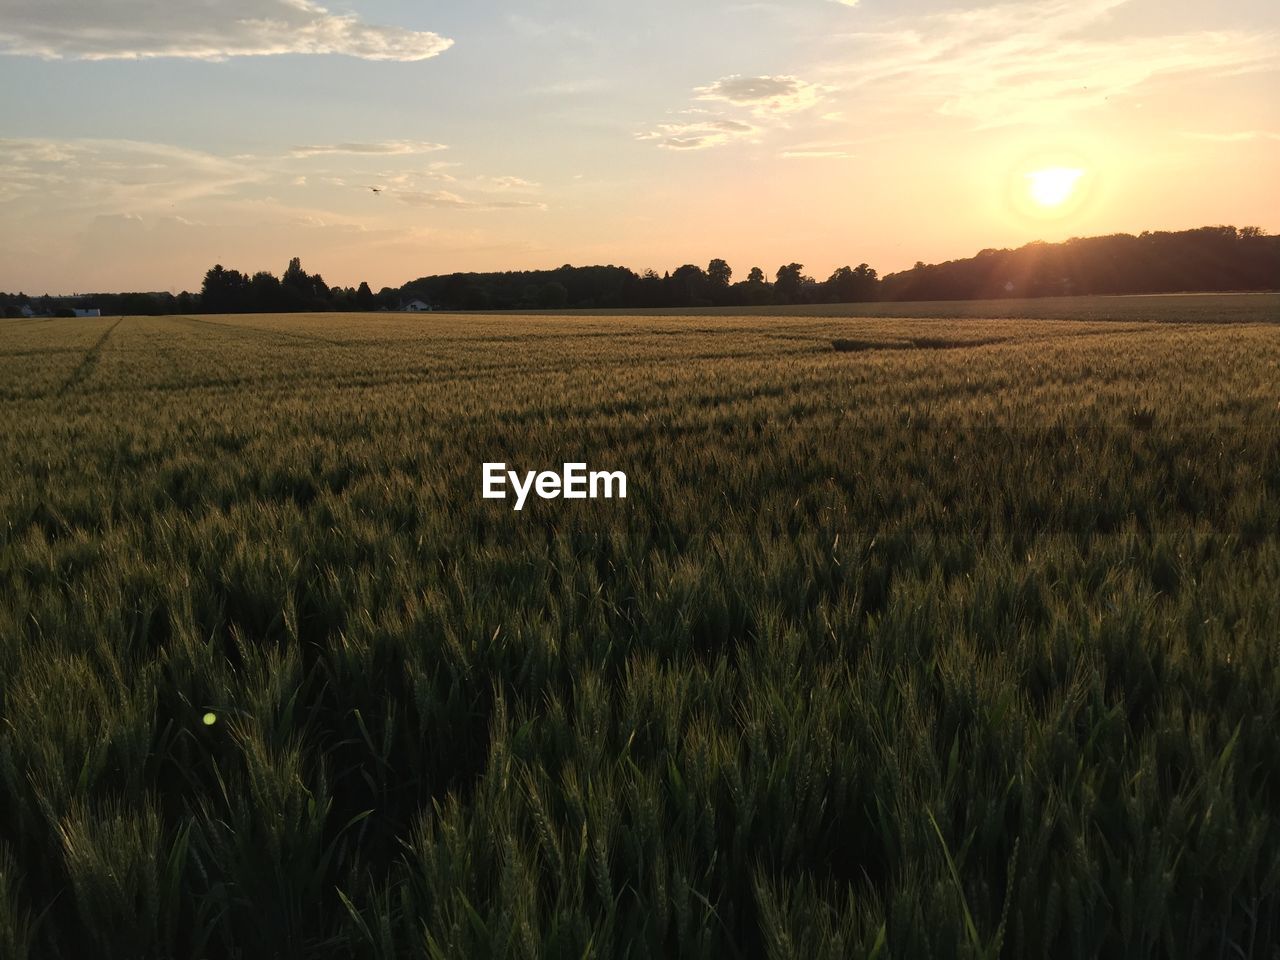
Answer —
(142, 141)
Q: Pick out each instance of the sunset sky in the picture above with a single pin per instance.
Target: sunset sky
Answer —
(141, 141)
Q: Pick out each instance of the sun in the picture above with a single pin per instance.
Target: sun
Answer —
(1053, 186)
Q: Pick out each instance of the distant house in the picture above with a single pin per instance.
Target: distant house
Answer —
(417, 306)
(27, 311)
(93, 312)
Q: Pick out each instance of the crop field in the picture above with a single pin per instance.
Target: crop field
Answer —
(961, 640)
(1155, 308)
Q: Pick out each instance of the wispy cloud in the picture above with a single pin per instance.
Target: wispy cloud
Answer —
(384, 148)
(465, 191)
(811, 154)
(114, 174)
(765, 100)
(764, 95)
(123, 214)
(125, 177)
(145, 29)
(698, 134)
(512, 183)
(1033, 61)
(448, 200)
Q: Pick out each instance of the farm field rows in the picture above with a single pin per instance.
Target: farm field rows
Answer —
(1153, 308)
(961, 641)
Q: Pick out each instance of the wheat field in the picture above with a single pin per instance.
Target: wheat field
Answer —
(960, 641)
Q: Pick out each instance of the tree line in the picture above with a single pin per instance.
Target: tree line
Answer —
(567, 287)
(613, 287)
(295, 291)
(1207, 259)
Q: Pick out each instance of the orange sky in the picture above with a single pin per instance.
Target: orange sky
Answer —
(823, 132)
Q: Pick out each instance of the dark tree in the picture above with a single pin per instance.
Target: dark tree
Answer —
(689, 287)
(719, 273)
(553, 296)
(265, 290)
(476, 297)
(790, 282)
(295, 276)
(224, 291)
(303, 291)
(847, 285)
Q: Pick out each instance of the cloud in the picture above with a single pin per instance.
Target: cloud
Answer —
(465, 191)
(1240, 136)
(764, 95)
(816, 155)
(827, 149)
(121, 214)
(1033, 61)
(513, 183)
(145, 29)
(445, 199)
(698, 134)
(94, 213)
(766, 100)
(93, 177)
(386, 148)
(84, 174)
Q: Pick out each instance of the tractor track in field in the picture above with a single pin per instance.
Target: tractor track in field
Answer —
(89, 361)
(265, 332)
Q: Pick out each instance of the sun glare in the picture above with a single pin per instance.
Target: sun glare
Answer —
(1053, 186)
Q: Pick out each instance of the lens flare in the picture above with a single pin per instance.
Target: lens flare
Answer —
(1053, 186)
